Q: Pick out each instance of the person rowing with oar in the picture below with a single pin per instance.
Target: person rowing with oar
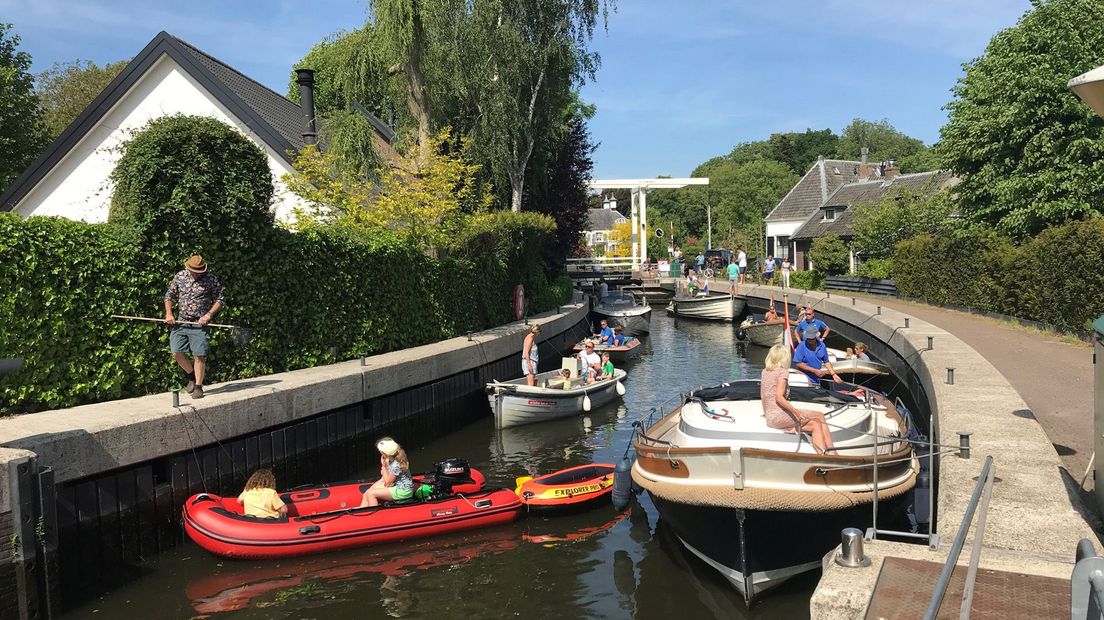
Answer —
(198, 298)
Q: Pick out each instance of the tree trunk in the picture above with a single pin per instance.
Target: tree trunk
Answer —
(417, 98)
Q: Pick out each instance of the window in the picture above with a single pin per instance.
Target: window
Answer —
(829, 215)
(783, 248)
(599, 237)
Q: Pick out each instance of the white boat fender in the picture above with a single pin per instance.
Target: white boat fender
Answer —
(586, 402)
(620, 389)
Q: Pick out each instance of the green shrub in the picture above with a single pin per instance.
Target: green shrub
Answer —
(301, 293)
(809, 279)
(829, 254)
(195, 179)
(1052, 278)
(877, 268)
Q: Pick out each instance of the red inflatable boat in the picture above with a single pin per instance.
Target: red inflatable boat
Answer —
(572, 488)
(327, 518)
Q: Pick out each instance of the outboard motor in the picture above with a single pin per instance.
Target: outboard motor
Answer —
(451, 472)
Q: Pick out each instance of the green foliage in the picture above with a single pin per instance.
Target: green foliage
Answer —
(809, 279)
(22, 134)
(65, 90)
(898, 215)
(362, 292)
(1051, 278)
(1030, 153)
(564, 196)
(350, 138)
(829, 254)
(877, 268)
(880, 137)
(797, 151)
(194, 179)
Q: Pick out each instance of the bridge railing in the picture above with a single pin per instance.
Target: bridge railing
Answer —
(600, 267)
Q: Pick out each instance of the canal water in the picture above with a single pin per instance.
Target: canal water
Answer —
(598, 564)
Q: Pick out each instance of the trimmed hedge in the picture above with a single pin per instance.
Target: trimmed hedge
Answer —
(302, 293)
(810, 279)
(1055, 278)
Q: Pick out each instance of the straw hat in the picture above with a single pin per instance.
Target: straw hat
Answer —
(196, 264)
(388, 447)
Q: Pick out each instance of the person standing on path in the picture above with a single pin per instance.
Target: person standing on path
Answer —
(768, 270)
(699, 263)
(529, 356)
(786, 267)
(733, 276)
(741, 259)
(198, 298)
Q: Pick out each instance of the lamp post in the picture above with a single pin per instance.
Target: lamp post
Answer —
(1089, 87)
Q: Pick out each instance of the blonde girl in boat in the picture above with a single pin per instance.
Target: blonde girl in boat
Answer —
(395, 483)
(780, 414)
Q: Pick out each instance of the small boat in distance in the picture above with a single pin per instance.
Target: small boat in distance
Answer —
(515, 402)
(574, 488)
(622, 353)
(635, 319)
(851, 365)
(764, 333)
(714, 307)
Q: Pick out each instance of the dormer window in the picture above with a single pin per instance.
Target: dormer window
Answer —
(830, 215)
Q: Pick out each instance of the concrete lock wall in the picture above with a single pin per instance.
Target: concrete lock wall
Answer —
(122, 469)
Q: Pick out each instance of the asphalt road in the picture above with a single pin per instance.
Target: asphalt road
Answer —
(1054, 377)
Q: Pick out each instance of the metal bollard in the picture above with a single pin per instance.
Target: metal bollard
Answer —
(931, 343)
(964, 444)
(950, 376)
(851, 549)
(176, 398)
(879, 310)
(852, 301)
(906, 322)
(829, 294)
(363, 360)
(469, 337)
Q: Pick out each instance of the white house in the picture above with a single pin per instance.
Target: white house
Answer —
(599, 226)
(169, 76)
(804, 199)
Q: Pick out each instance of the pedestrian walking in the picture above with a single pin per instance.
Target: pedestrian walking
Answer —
(198, 298)
(768, 270)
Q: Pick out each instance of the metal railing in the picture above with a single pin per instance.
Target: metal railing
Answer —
(979, 503)
(1087, 583)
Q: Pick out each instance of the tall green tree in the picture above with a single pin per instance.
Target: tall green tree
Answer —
(829, 254)
(1030, 154)
(522, 61)
(65, 90)
(880, 137)
(797, 150)
(22, 135)
(898, 215)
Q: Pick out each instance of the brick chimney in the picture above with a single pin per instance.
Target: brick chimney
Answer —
(890, 169)
(866, 170)
(305, 79)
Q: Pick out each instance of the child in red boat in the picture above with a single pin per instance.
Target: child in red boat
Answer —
(260, 499)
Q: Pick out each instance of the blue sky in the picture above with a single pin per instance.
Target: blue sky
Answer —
(681, 81)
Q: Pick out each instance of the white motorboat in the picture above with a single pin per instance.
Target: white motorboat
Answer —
(618, 354)
(715, 307)
(635, 319)
(764, 333)
(515, 402)
(758, 504)
(851, 365)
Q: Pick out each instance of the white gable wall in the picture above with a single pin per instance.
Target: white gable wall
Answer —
(78, 187)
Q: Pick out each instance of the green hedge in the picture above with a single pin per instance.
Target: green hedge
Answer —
(302, 293)
(877, 268)
(1054, 278)
(808, 279)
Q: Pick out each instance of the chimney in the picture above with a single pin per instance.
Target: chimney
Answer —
(865, 153)
(305, 79)
(890, 170)
(865, 170)
(823, 178)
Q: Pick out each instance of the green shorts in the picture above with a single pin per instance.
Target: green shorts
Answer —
(189, 339)
(398, 494)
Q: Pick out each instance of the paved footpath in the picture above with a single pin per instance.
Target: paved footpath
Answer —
(1054, 377)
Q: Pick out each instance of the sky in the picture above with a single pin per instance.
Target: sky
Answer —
(681, 80)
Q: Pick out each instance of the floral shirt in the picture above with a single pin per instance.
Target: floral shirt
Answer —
(194, 296)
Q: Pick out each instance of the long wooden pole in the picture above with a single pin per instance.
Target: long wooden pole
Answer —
(142, 318)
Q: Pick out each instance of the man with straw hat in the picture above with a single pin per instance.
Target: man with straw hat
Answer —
(198, 298)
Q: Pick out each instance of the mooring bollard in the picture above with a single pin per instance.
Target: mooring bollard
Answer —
(851, 549)
(829, 294)
(950, 376)
(879, 310)
(176, 398)
(906, 322)
(964, 444)
(931, 343)
(363, 360)
(469, 337)
(852, 301)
